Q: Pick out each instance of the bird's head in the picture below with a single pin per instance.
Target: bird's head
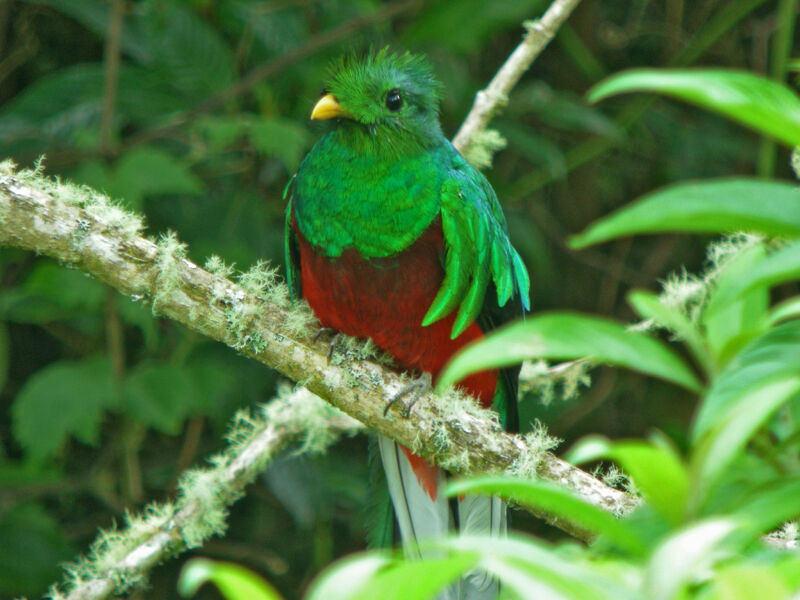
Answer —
(384, 101)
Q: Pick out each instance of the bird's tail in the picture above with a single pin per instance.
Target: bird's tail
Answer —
(421, 515)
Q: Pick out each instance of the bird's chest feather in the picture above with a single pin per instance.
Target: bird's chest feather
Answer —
(386, 299)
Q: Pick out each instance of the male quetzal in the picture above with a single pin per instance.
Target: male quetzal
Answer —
(392, 235)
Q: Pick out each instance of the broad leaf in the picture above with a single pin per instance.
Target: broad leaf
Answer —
(648, 306)
(772, 356)
(162, 396)
(684, 556)
(567, 336)
(536, 571)
(748, 581)
(788, 309)
(558, 501)
(730, 325)
(757, 102)
(779, 267)
(715, 206)
(770, 506)
(657, 471)
(415, 579)
(34, 548)
(349, 575)
(63, 399)
(234, 581)
(717, 449)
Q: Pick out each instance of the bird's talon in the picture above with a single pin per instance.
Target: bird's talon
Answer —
(323, 331)
(334, 340)
(420, 387)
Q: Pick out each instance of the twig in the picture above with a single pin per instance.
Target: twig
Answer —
(111, 74)
(489, 101)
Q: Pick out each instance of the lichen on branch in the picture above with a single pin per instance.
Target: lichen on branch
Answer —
(61, 220)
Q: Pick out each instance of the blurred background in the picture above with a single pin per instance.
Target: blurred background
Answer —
(195, 113)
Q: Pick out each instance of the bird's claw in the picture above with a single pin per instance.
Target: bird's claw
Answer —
(334, 340)
(419, 387)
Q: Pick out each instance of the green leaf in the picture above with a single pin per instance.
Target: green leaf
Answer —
(730, 325)
(234, 581)
(768, 507)
(462, 26)
(349, 575)
(657, 471)
(148, 171)
(415, 579)
(766, 106)
(770, 357)
(685, 556)
(781, 266)
(63, 399)
(66, 288)
(648, 306)
(748, 581)
(717, 449)
(788, 309)
(568, 336)
(195, 57)
(32, 551)
(162, 396)
(536, 571)
(282, 138)
(715, 206)
(558, 501)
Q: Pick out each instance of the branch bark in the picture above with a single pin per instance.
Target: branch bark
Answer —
(85, 231)
(489, 101)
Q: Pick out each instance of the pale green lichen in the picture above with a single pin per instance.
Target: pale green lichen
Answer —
(537, 443)
(106, 211)
(482, 148)
(216, 266)
(348, 349)
(789, 532)
(263, 280)
(171, 251)
(211, 494)
(688, 293)
(554, 382)
(8, 167)
(795, 161)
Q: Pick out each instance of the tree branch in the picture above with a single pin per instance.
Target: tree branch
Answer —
(490, 100)
(118, 559)
(82, 228)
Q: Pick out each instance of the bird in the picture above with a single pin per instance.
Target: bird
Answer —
(392, 235)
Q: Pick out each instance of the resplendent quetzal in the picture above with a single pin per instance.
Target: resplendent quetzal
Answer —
(392, 235)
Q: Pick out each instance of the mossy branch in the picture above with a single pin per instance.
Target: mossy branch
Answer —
(473, 140)
(118, 559)
(81, 228)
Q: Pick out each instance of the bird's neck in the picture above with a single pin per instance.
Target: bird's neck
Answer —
(374, 203)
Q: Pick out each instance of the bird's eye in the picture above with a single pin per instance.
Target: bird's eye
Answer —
(394, 101)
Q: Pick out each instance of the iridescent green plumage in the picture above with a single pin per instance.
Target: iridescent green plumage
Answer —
(381, 178)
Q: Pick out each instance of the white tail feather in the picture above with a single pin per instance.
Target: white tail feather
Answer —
(419, 518)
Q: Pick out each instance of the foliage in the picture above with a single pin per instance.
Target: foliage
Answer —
(106, 403)
(696, 533)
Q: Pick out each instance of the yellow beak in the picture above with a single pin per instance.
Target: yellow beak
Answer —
(328, 107)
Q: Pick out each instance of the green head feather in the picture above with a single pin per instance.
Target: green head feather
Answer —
(392, 101)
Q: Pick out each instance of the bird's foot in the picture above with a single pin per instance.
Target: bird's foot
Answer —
(334, 340)
(417, 389)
